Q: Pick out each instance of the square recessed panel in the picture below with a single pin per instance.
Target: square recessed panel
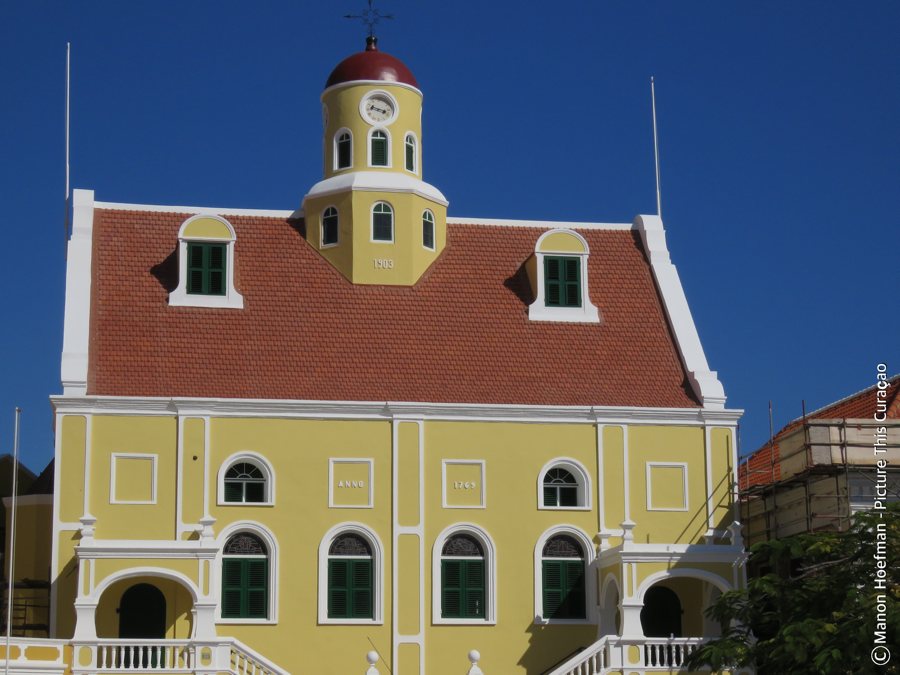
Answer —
(132, 479)
(350, 483)
(464, 486)
(666, 487)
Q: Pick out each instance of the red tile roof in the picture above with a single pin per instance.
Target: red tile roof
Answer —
(764, 466)
(461, 334)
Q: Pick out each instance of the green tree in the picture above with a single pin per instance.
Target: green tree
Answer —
(814, 610)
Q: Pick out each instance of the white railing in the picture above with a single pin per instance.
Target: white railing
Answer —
(613, 653)
(244, 661)
(155, 655)
(592, 661)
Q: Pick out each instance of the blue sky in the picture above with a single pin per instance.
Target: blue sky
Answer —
(778, 132)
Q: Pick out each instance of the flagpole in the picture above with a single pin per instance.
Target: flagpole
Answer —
(12, 539)
(68, 63)
(656, 149)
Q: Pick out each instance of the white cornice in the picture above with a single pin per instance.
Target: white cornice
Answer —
(130, 548)
(373, 83)
(376, 181)
(228, 407)
(540, 224)
(705, 382)
(671, 553)
(199, 210)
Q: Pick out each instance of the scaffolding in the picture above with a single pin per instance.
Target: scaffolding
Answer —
(818, 474)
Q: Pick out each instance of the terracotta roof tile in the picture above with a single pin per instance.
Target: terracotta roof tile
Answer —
(461, 334)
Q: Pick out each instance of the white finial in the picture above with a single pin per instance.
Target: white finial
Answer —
(474, 658)
(372, 658)
(656, 149)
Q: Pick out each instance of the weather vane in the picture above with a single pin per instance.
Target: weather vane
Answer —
(370, 17)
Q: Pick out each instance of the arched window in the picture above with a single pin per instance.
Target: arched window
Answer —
(206, 264)
(245, 482)
(560, 488)
(562, 578)
(563, 484)
(351, 591)
(329, 226)
(410, 147)
(382, 222)
(428, 229)
(245, 578)
(343, 149)
(378, 154)
(463, 589)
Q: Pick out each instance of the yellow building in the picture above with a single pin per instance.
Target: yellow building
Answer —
(290, 439)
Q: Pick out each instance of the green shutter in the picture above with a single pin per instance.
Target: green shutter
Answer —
(568, 496)
(563, 589)
(474, 578)
(552, 574)
(550, 496)
(379, 151)
(232, 589)
(451, 589)
(245, 588)
(254, 492)
(562, 281)
(350, 589)
(338, 589)
(234, 491)
(344, 153)
(462, 589)
(257, 588)
(361, 595)
(206, 269)
(552, 281)
(574, 599)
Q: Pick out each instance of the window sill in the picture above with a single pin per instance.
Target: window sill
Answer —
(351, 622)
(251, 504)
(564, 508)
(247, 622)
(588, 314)
(541, 621)
(463, 622)
(179, 298)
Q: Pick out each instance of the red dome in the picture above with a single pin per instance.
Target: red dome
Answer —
(371, 65)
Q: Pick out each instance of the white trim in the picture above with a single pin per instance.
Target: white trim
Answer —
(389, 150)
(158, 549)
(601, 457)
(336, 154)
(482, 487)
(372, 238)
(370, 482)
(76, 324)
(590, 576)
(582, 477)
(539, 310)
(541, 224)
(490, 575)
(260, 463)
(684, 479)
(377, 574)
(114, 457)
(289, 408)
(197, 210)
(377, 83)
(97, 591)
(376, 181)
(433, 221)
(704, 381)
(180, 296)
(322, 244)
(415, 169)
(710, 507)
(372, 94)
(215, 576)
(626, 470)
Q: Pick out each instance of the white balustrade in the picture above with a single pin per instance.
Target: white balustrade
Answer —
(372, 658)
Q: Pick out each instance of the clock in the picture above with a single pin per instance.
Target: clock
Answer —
(378, 108)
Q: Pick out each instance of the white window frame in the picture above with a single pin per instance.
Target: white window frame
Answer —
(322, 243)
(372, 238)
(684, 477)
(415, 141)
(490, 575)
(590, 576)
(433, 231)
(258, 529)
(538, 310)
(260, 463)
(335, 163)
(582, 478)
(114, 458)
(377, 573)
(389, 148)
(180, 297)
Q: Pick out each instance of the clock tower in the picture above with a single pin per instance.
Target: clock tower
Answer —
(372, 216)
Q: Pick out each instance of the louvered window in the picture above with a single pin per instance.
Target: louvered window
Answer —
(329, 226)
(428, 230)
(562, 281)
(382, 222)
(562, 576)
(379, 148)
(410, 152)
(206, 269)
(560, 488)
(245, 578)
(245, 482)
(351, 588)
(463, 587)
(344, 150)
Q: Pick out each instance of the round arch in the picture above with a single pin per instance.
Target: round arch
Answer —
(490, 567)
(258, 461)
(374, 541)
(261, 531)
(703, 575)
(590, 577)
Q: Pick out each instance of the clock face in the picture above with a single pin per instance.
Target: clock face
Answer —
(378, 108)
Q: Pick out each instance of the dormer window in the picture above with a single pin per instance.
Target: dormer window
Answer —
(206, 264)
(343, 149)
(559, 279)
(378, 148)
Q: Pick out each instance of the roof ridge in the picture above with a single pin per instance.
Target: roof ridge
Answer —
(891, 381)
